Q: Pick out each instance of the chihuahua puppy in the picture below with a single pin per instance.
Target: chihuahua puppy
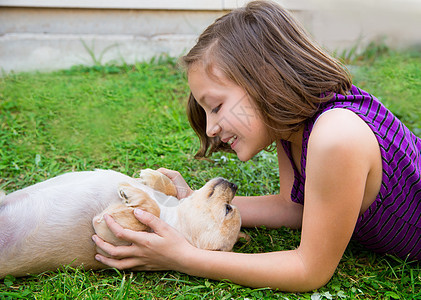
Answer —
(50, 224)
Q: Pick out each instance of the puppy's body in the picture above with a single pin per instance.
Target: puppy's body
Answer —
(50, 223)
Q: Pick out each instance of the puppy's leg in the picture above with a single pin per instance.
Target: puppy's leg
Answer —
(122, 213)
(158, 181)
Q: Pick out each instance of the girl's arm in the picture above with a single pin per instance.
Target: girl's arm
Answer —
(166, 249)
(273, 211)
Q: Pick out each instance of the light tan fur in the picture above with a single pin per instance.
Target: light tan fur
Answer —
(50, 224)
(123, 214)
(158, 182)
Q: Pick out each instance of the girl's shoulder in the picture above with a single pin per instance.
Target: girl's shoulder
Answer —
(341, 139)
(340, 128)
(349, 120)
(342, 145)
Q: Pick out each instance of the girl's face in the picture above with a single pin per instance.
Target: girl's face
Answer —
(230, 114)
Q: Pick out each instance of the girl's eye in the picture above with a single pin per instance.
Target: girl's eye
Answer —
(216, 109)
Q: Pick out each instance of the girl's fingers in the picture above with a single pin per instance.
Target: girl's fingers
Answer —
(113, 251)
(121, 264)
(171, 174)
(120, 232)
(148, 251)
(183, 189)
(157, 225)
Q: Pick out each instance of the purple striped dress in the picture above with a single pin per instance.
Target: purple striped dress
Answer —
(392, 224)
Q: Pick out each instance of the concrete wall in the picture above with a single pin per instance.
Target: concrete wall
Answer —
(340, 24)
(49, 38)
(55, 34)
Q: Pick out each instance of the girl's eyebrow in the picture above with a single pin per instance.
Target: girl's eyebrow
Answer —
(202, 100)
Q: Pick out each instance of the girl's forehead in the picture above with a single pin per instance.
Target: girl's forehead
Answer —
(209, 71)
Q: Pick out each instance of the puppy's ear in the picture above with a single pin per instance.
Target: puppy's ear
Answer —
(134, 197)
(158, 182)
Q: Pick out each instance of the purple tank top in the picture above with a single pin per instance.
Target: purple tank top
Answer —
(392, 224)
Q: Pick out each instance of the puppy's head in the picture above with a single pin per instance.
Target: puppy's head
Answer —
(208, 219)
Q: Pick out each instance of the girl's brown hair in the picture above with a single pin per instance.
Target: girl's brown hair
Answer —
(263, 49)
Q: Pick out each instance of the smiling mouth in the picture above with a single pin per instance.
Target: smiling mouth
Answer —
(231, 140)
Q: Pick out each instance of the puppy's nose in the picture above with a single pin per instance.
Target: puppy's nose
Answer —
(225, 183)
(233, 186)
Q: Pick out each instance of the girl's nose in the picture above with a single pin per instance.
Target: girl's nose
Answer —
(213, 130)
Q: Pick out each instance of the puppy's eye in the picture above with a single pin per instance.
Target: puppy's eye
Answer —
(228, 209)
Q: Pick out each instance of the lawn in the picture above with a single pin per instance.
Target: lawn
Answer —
(132, 117)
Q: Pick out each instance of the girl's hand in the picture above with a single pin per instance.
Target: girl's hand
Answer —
(161, 250)
(183, 190)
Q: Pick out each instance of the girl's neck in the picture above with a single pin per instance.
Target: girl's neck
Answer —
(295, 137)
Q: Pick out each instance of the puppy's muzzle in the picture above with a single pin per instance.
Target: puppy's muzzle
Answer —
(232, 186)
(225, 183)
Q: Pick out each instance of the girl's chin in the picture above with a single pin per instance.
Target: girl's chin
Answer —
(244, 160)
(243, 157)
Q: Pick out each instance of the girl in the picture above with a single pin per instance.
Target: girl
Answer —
(348, 167)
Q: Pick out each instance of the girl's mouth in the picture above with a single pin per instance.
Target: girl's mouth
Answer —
(232, 140)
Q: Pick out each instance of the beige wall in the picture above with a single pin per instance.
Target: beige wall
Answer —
(39, 35)
(340, 24)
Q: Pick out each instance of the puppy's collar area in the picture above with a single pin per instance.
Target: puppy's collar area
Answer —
(161, 198)
(167, 201)
(169, 215)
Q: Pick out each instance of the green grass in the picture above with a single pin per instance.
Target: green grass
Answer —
(131, 117)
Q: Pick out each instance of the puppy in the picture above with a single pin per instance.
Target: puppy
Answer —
(50, 224)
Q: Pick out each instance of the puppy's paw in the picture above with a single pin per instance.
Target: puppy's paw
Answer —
(158, 181)
(124, 216)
